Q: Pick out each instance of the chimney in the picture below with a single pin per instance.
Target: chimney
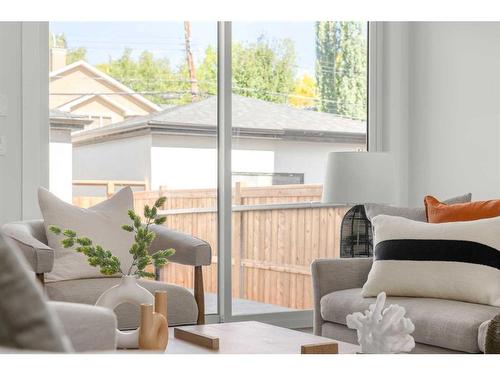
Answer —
(57, 58)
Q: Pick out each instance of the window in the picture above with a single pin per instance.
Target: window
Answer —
(126, 103)
(299, 92)
(135, 104)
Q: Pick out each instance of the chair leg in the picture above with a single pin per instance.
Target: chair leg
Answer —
(41, 278)
(199, 295)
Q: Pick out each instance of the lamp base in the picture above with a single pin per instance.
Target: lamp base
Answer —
(356, 236)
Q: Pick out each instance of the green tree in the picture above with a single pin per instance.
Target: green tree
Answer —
(341, 64)
(207, 72)
(73, 54)
(351, 74)
(76, 54)
(327, 42)
(149, 75)
(264, 70)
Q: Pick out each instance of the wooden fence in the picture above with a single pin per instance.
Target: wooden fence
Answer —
(273, 242)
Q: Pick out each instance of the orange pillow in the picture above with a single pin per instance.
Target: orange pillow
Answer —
(438, 212)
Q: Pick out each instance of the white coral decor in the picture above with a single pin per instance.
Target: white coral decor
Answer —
(383, 330)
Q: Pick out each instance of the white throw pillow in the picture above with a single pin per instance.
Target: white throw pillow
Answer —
(101, 223)
(459, 260)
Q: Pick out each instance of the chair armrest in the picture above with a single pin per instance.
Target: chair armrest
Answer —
(21, 235)
(89, 328)
(189, 250)
(330, 275)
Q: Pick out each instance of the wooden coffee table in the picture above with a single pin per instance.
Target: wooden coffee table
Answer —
(248, 338)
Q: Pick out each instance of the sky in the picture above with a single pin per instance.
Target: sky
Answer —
(166, 39)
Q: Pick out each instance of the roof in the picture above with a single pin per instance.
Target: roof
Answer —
(67, 121)
(251, 118)
(67, 107)
(121, 87)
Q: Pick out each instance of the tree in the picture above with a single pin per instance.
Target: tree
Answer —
(341, 68)
(149, 75)
(351, 74)
(304, 93)
(76, 54)
(327, 36)
(207, 72)
(73, 54)
(264, 70)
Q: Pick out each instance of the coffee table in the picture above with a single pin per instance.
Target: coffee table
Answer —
(250, 338)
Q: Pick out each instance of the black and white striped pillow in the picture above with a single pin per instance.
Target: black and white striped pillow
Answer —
(459, 260)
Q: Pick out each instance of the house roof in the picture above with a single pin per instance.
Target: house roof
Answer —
(251, 118)
(67, 107)
(67, 121)
(110, 80)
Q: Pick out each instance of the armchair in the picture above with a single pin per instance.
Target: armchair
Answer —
(184, 308)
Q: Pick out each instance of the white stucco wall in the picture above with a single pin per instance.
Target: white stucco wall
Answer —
(60, 164)
(124, 159)
(191, 162)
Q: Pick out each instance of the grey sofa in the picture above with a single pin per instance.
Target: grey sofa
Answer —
(89, 328)
(441, 326)
(184, 307)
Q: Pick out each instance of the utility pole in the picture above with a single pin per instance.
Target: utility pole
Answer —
(190, 61)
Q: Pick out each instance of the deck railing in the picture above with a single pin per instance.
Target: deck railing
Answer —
(277, 232)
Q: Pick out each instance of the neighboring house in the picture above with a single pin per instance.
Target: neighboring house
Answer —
(81, 89)
(273, 143)
(62, 124)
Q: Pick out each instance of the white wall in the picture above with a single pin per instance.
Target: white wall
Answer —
(191, 162)
(393, 92)
(61, 166)
(11, 122)
(454, 133)
(24, 118)
(124, 159)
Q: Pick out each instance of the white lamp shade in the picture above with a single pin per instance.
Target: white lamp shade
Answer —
(359, 177)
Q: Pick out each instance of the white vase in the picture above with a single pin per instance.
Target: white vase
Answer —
(127, 291)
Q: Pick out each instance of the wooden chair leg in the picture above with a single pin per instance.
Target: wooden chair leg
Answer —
(199, 295)
(41, 278)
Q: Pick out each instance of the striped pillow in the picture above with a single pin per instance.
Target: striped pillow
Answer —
(459, 260)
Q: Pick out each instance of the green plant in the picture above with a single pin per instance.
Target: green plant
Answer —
(108, 263)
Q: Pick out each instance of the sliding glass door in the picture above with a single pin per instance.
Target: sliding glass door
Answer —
(232, 123)
(134, 104)
(299, 91)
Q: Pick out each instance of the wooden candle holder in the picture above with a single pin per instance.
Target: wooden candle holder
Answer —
(153, 330)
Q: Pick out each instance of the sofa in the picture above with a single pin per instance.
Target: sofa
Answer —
(30, 323)
(441, 326)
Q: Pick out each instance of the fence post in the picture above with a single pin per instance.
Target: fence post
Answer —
(238, 276)
(110, 188)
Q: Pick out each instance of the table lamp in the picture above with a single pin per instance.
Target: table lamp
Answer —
(356, 178)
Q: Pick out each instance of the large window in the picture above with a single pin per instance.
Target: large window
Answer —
(299, 92)
(135, 104)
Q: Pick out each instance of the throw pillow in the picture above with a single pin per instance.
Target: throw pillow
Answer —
(26, 321)
(417, 214)
(459, 261)
(101, 223)
(440, 212)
